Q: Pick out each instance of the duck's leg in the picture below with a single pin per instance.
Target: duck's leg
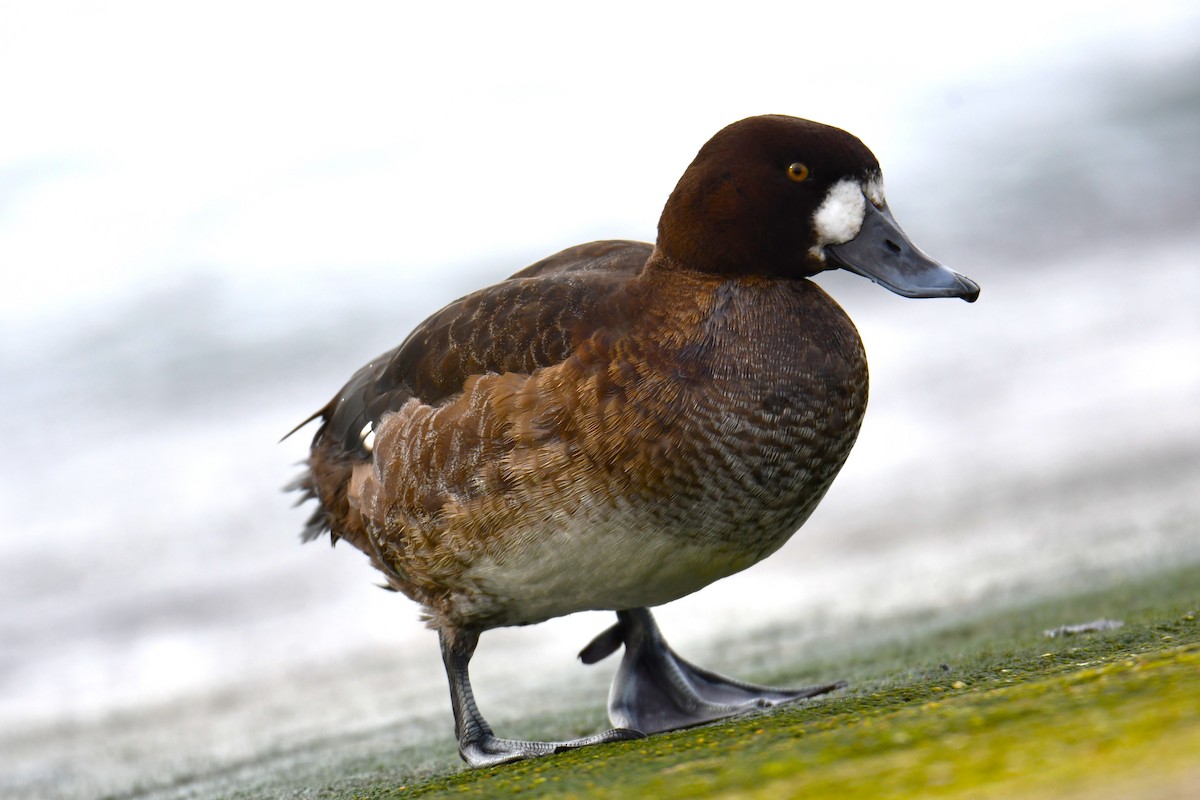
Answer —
(656, 690)
(477, 745)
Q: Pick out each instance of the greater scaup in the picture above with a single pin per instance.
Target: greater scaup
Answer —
(621, 424)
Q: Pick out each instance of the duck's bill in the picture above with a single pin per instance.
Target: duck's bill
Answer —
(883, 253)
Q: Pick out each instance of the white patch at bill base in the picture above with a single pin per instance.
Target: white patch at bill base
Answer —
(840, 215)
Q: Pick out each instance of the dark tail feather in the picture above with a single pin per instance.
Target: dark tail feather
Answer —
(310, 418)
(317, 524)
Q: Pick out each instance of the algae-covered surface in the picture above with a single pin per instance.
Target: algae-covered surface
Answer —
(982, 706)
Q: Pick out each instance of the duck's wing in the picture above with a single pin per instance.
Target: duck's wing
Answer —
(531, 320)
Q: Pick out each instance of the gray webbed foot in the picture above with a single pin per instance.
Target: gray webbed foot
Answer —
(487, 750)
(655, 690)
(477, 744)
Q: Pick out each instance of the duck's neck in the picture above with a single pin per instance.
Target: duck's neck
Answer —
(674, 254)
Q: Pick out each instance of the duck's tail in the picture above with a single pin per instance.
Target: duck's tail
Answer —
(325, 481)
(318, 522)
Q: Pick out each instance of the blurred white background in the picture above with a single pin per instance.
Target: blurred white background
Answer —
(212, 213)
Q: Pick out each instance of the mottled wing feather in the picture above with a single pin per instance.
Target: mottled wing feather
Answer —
(531, 320)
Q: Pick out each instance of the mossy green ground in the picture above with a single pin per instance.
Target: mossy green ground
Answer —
(984, 707)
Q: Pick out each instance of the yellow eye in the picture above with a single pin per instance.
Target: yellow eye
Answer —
(798, 172)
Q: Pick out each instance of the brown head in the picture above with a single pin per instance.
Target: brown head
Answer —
(784, 197)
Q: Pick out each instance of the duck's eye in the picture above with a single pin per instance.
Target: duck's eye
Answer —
(798, 172)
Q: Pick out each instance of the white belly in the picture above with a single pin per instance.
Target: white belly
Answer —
(601, 564)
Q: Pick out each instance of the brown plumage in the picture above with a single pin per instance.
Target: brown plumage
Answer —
(619, 425)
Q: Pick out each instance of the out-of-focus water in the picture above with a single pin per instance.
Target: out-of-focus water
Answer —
(157, 614)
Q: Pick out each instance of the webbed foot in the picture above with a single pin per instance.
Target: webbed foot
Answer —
(656, 690)
(477, 744)
(487, 750)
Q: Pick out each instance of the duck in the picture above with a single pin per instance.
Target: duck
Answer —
(623, 423)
